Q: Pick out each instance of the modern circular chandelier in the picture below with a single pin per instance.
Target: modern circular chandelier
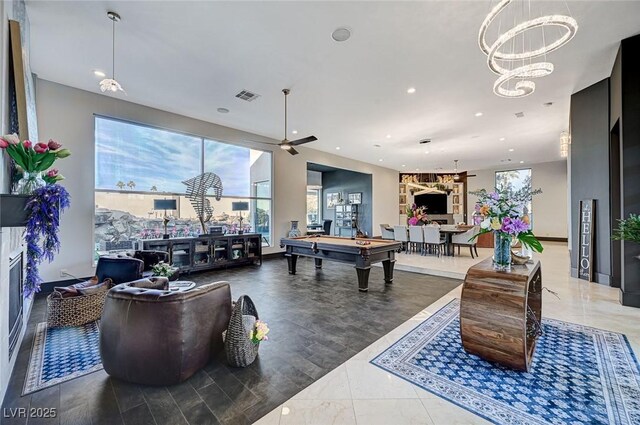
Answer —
(516, 68)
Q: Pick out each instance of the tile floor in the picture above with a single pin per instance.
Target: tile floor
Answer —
(357, 392)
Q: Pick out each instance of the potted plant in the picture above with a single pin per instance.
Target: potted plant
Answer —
(164, 270)
(628, 230)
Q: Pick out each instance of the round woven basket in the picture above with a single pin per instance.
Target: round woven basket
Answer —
(240, 350)
(74, 311)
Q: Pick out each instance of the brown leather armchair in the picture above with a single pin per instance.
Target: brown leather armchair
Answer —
(159, 337)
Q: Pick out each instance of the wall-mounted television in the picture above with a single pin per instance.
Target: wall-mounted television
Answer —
(436, 203)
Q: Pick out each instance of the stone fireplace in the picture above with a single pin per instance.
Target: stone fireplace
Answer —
(16, 280)
(14, 308)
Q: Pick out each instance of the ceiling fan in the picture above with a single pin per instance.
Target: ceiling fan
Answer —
(285, 144)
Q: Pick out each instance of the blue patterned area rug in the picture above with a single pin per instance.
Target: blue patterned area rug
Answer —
(61, 354)
(580, 375)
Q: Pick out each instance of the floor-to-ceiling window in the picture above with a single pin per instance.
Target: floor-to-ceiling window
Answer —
(514, 181)
(137, 164)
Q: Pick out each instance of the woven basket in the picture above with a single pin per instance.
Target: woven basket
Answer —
(241, 351)
(74, 311)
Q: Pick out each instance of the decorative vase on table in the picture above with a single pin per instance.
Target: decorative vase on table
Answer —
(502, 251)
(294, 232)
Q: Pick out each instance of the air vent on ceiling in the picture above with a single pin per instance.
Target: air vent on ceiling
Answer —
(519, 114)
(425, 141)
(247, 95)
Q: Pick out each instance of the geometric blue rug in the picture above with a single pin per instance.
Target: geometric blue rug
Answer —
(579, 374)
(62, 354)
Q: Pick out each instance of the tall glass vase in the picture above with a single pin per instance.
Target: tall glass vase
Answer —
(29, 183)
(501, 251)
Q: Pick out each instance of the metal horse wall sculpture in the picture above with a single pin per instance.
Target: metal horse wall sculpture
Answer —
(197, 188)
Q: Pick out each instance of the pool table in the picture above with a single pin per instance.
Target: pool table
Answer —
(359, 252)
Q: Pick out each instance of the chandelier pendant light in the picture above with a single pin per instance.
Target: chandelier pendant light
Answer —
(516, 69)
(565, 141)
(456, 176)
(110, 84)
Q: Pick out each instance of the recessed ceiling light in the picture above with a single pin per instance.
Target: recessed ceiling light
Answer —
(337, 148)
(417, 169)
(99, 74)
(403, 165)
(502, 139)
(511, 150)
(223, 110)
(294, 131)
(380, 160)
(427, 152)
(388, 136)
(479, 114)
(521, 162)
(411, 90)
(341, 34)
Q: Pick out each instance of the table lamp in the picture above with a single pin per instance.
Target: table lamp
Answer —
(240, 206)
(165, 204)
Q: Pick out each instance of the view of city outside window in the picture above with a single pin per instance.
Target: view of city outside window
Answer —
(137, 164)
(313, 205)
(513, 181)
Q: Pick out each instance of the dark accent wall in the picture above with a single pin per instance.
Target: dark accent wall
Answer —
(628, 69)
(346, 182)
(605, 165)
(590, 172)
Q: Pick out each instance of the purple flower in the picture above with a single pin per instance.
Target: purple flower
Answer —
(413, 221)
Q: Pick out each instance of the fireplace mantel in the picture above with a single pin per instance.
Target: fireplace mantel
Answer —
(13, 210)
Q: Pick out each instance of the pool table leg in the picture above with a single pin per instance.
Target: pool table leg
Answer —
(318, 263)
(363, 278)
(387, 265)
(292, 260)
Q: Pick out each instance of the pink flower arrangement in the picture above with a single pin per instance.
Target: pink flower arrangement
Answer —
(35, 158)
(417, 215)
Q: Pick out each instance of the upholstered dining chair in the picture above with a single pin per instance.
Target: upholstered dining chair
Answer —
(432, 238)
(416, 238)
(400, 235)
(462, 239)
(386, 232)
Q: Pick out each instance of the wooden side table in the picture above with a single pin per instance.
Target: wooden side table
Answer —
(500, 313)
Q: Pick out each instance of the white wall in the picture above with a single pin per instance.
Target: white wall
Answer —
(67, 114)
(549, 207)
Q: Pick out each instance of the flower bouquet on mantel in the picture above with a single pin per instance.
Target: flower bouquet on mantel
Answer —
(34, 161)
(504, 214)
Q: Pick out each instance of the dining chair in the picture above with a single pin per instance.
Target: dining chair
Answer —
(432, 238)
(462, 239)
(416, 238)
(386, 232)
(400, 235)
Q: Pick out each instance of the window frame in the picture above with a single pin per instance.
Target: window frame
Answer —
(202, 138)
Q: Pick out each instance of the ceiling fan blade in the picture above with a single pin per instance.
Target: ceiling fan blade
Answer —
(292, 151)
(302, 141)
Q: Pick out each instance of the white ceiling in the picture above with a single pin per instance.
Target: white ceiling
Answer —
(193, 57)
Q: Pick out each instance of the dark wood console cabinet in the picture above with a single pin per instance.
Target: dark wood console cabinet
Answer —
(209, 251)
